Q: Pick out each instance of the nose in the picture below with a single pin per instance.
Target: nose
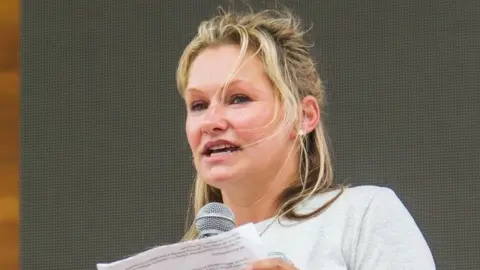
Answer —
(214, 121)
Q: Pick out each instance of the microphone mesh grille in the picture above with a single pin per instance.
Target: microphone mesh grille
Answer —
(215, 216)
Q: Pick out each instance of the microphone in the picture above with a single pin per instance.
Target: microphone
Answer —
(214, 218)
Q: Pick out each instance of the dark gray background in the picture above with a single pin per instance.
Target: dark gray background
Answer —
(106, 169)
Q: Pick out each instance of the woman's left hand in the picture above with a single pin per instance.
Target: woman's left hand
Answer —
(271, 264)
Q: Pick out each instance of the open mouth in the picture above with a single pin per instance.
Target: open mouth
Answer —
(220, 149)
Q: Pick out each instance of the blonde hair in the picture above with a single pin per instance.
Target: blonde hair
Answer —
(276, 36)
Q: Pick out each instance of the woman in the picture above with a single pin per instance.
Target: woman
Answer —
(254, 105)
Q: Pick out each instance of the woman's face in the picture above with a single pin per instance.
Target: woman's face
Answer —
(236, 139)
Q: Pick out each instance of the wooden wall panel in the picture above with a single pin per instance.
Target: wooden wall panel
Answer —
(9, 133)
(9, 29)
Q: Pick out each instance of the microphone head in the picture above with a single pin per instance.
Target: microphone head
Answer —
(214, 218)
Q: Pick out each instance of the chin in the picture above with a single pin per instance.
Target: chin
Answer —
(219, 179)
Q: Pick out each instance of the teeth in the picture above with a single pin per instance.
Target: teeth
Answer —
(221, 146)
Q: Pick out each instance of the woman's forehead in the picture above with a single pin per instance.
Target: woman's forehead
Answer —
(220, 64)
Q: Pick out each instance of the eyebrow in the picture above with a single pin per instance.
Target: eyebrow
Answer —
(232, 83)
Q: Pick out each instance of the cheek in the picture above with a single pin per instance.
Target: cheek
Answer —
(252, 124)
(192, 131)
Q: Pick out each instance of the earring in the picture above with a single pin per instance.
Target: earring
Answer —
(301, 132)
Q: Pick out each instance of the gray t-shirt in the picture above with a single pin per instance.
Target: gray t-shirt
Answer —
(366, 228)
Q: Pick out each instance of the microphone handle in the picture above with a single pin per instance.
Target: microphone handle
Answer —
(279, 255)
(208, 233)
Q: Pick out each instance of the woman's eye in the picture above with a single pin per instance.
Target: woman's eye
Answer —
(238, 99)
(198, 106)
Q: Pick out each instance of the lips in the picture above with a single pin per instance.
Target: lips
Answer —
(218, 147)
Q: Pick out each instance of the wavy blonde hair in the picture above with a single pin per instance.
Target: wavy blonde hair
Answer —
(277, 38)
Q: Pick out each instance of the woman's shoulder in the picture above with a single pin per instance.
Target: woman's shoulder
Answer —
(354, 200)
(366, 192)
(369, 194)
(372, 220)
(355, 194)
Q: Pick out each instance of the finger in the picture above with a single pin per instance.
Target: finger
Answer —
(271, 264)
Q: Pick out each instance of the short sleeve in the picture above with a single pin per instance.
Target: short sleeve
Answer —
(389, 238)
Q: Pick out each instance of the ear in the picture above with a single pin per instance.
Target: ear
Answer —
(310, 114)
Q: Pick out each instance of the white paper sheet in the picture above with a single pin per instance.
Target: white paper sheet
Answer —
(227, 251)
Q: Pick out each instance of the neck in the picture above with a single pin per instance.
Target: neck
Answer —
(258, 203)
(263, 209)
